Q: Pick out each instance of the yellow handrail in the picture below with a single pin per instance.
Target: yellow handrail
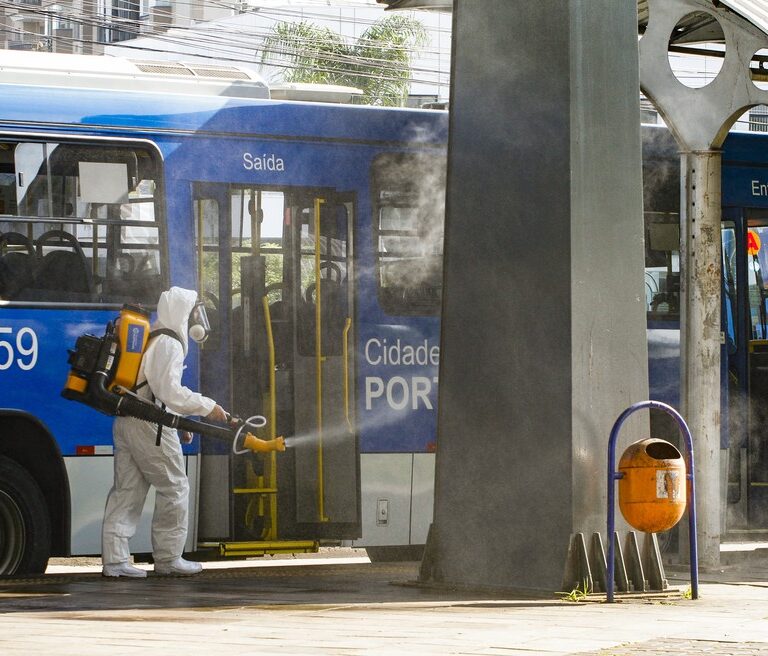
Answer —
(345, 353)
(272, 420)
(319, 369)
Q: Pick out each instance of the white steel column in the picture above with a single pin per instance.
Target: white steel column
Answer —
(700, 341)
(700, 119)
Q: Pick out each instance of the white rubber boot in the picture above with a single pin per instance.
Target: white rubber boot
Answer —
(177, 567)
(127, 570)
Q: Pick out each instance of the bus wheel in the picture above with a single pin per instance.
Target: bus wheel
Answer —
(25, 527)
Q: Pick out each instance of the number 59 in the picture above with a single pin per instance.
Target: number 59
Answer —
(26, 348)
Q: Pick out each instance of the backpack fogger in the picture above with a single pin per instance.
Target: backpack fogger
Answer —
(103, 376)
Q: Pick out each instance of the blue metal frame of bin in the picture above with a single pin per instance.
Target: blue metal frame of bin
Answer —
(614, 476)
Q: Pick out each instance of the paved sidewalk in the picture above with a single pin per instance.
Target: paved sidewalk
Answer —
(353, 607)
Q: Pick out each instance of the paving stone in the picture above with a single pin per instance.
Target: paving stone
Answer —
(368, 610)
(679, 647)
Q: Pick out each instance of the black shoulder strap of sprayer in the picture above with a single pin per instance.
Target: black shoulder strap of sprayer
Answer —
(165, 331)
(153, 334)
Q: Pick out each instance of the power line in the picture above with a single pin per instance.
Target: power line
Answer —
(133, 26)
(245, 57)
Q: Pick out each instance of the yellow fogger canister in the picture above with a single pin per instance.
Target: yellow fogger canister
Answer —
(132, 335)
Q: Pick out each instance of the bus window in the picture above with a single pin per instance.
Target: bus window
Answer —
(207, 223)
(409, 213)
(662, 265)
(256, 238)
(257, 228)
(78, 223)
(730, 296)
(331, 265)
(757, 284)
(7, 180)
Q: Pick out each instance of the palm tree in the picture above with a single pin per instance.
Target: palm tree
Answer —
(378, 62)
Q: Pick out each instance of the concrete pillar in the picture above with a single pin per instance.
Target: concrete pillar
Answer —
(543, 341)
(701, 258)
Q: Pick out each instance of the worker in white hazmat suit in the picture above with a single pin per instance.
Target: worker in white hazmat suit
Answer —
(140, 461)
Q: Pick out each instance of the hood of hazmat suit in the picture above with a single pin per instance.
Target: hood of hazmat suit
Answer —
(163, 363)
(173, 310)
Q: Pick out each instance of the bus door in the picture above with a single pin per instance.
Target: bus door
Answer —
(734, 390)
(755, 319)
(326, 452)
(258, 263)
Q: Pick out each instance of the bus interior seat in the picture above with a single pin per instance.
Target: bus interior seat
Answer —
(248, 375)
(146, 279)
(212, 310)
(63, 272)
(279, 314)
(17, 267)
(243, 373)
(236, 327)
(333, 311)
(120, 280)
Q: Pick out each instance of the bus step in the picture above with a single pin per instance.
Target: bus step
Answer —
(263, 548)
(254, 490)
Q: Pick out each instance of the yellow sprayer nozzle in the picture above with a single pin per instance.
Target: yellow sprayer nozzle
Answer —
(263, 446)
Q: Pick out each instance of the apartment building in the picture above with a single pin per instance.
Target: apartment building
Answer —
(85, 26)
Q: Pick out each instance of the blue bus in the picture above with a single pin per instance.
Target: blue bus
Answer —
(744, 351)
(314, 234)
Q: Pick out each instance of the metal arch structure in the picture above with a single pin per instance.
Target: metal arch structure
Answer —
(700, 119)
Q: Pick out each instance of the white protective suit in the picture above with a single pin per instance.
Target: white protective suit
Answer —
(139, 462)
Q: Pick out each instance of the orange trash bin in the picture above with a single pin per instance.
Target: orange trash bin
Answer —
(652, 489)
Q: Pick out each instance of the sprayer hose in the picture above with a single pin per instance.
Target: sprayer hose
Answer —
(128, 404)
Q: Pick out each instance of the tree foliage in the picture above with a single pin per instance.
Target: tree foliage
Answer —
(378, 62)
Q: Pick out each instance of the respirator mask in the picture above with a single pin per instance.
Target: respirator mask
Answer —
(199, 328)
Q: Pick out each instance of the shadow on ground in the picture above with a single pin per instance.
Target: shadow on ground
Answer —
(297, 586)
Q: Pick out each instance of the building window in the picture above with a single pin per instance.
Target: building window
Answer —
(758, 119)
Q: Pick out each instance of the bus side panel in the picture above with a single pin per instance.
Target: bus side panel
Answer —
(397, 387)
(90, 481)
(35, 368)
(386, 498)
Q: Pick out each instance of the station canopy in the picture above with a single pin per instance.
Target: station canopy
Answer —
(696, 31)
(702, 28)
